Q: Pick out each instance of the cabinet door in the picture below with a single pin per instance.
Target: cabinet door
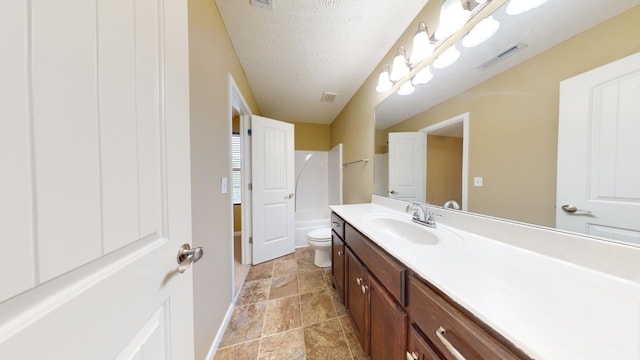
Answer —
(418, 348)
(387, 324)
(337, 264)
(356, 303)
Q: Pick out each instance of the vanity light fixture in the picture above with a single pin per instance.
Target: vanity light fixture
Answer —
(406, 89)
(516, 7)
(447, 58)
(422, 46)
(384, 83)
(422, 77)
(481, 32)
(399, 68)
(452, 17)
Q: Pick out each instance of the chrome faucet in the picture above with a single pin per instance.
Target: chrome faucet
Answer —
(419, 213)
(421, 216)
(451, 204)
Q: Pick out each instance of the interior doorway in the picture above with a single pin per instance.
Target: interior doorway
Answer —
(240, 198)
(447, 144)
(241, 270)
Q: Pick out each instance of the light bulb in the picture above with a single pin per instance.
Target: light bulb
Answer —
(422, 46)
(452, 17)
(519, 6)
(447, 58)
(481, 32)
(384, 83)
(422, 77)
(399, 68)
(406, 89)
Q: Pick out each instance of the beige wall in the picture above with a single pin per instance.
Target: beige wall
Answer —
(444, 169)
(312, 137)
(212, 58)
(354, 129)
(513, 122)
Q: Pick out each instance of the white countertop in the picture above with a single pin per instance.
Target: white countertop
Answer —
(551, 309)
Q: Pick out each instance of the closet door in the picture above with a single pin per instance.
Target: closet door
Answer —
(94, 192)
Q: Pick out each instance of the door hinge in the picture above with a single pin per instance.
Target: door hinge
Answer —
(250, 186)
(250, 239)
(249, 132)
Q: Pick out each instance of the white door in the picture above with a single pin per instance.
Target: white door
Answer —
(407, 164)
(95, 188)
(599, 152)
(272, 158)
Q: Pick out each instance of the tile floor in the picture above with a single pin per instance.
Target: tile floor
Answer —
(287, 309)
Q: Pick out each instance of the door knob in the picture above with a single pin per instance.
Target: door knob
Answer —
(572, 209)
(393, 191)
(188, 256)
(290, 196)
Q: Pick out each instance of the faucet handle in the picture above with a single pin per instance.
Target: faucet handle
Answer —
(432, 215)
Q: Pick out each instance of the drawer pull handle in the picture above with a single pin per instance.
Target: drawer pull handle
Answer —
(412, 356)
(335, 224)
(364, 289)
(359, 281)
(441, 333)
(340, 253)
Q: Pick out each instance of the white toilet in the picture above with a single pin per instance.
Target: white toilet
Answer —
(320, 241)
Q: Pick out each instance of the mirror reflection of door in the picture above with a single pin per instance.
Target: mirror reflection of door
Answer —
(599, 152)
(407, 166)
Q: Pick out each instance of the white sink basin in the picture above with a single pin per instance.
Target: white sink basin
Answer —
(402, 228)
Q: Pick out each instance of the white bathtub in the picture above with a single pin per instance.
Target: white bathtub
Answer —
(310, 220)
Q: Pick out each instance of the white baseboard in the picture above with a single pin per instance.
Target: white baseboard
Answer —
(221, 330)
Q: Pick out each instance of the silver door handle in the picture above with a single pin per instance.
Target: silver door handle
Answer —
(188, 256)
(290, 196)
(572, 209)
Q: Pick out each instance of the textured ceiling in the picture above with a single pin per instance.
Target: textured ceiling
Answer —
(302, 48)
(540, 29)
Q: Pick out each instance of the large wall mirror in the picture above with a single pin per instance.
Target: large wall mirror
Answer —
(498, 130)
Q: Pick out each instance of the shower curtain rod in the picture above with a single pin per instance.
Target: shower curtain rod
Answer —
(365, 160)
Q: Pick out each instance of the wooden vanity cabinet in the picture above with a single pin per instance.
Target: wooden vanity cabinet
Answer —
(397, 315)
(452, 333)
(379, 320)
(338, 255)
(387, 324)
(356, 297)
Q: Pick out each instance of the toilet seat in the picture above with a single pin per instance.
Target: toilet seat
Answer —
(323, 234)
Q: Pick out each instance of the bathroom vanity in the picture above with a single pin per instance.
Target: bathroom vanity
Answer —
(444, 293)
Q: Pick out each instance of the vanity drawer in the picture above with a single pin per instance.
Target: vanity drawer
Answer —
(337, 224)
(390, 273)
(450, 330)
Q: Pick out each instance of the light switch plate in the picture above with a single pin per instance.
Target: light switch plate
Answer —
(224, 185)
(477, 181)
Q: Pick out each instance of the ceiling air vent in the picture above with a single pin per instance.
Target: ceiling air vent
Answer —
(502, 56)
(328, 97)
(264, 4)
